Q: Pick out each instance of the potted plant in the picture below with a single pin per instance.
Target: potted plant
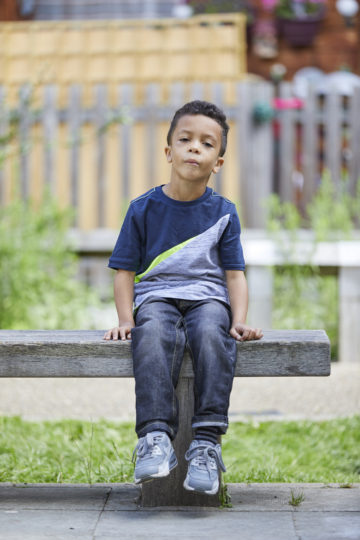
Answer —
(298, 21)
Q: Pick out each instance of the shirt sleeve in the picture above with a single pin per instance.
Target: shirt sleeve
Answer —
(231, 252)
(127, 250)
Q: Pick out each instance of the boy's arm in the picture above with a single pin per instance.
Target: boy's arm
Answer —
(238, 294)
(124, 297)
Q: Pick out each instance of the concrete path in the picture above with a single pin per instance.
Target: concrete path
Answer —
(263, 398)
(259, 512)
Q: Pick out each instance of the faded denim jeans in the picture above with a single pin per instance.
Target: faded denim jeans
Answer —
(164, 327)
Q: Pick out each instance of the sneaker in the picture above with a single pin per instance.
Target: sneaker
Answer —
(204, 463)
(155, 456)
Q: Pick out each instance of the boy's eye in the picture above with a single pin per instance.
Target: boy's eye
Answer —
(183, 139)
(208, 144)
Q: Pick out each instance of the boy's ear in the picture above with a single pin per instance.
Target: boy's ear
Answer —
(219, 163)
(168, 154)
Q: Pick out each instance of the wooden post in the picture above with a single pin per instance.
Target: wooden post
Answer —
(349, 314)
(169, 491)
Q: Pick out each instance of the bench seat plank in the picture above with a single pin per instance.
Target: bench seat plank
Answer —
(83, 353)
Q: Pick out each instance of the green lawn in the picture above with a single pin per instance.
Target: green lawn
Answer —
(84, 452)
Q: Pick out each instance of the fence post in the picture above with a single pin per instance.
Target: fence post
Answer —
(4, 126)
(50, 123)
(349, 314)
(286, 147)
(74, 122)
(255, 151)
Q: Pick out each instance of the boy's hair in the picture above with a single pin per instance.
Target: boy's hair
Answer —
(206, 109)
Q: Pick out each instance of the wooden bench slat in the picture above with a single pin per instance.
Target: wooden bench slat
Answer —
(83, 353)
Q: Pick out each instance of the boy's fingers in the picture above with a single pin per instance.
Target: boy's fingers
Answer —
(122, 332)
(119, 332)
(109, 334)
(233, 332)
(115, 334)
(246, 335)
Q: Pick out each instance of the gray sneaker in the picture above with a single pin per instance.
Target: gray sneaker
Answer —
(204, 462)
(155, 456)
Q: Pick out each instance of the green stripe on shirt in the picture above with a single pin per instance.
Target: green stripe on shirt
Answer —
(162, 257)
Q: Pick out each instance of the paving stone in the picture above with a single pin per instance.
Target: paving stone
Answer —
(53, 497)
(276, 497)
(61, 524)
(108, 511)
(327, 525)
(124, 496)
(203, 524)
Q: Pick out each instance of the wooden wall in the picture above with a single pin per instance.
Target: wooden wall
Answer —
(202, 48)
(334, 48)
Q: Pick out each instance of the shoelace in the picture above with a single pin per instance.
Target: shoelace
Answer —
(206, 455)
(147, 445)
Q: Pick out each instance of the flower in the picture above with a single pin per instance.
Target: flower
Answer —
(294, 9)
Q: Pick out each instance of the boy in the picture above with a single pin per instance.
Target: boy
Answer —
(180, 244)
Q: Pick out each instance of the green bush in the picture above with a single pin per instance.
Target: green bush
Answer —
(38, 286)
(303, 297)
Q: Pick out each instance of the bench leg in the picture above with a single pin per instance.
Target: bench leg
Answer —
(169, 491)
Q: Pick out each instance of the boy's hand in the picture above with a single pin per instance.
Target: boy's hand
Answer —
(243, 332)
(122, 331)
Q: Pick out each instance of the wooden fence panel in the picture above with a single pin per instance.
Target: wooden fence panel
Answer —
(113, 52)
(4, 128)
(74, 125)
(98, 158)
(50, 128)
(287, 157)
(354, 146)
(333, 135)
(309, 144)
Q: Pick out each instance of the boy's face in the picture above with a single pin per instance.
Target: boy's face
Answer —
(195, 147)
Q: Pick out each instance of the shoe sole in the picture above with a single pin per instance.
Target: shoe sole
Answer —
(205, 492)
(164, 471)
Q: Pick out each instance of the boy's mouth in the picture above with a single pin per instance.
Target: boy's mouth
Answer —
(192, 162)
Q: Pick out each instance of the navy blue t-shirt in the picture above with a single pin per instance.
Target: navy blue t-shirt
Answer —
(179, 249)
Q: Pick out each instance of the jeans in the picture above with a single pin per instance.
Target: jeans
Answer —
(164, 327)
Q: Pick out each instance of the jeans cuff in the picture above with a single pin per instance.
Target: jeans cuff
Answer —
(156, 426)
(222, 425)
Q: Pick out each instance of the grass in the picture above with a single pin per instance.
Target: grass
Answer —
(296, 498)
(84, 452)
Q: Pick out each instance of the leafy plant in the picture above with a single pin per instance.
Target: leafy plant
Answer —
(303, 297)
(224, 496)
(296, 498)
(38, 285)
(291, 9)
(333, 212)
(221, 6)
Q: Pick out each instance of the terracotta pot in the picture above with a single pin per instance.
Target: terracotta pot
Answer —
(301, 31)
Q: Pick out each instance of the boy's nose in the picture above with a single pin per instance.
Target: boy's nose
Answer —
(194, 147)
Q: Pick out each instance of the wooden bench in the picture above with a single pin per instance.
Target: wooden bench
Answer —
(83, 353)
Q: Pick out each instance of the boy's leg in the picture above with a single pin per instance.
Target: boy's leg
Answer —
(213, 350)
(158, 342)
